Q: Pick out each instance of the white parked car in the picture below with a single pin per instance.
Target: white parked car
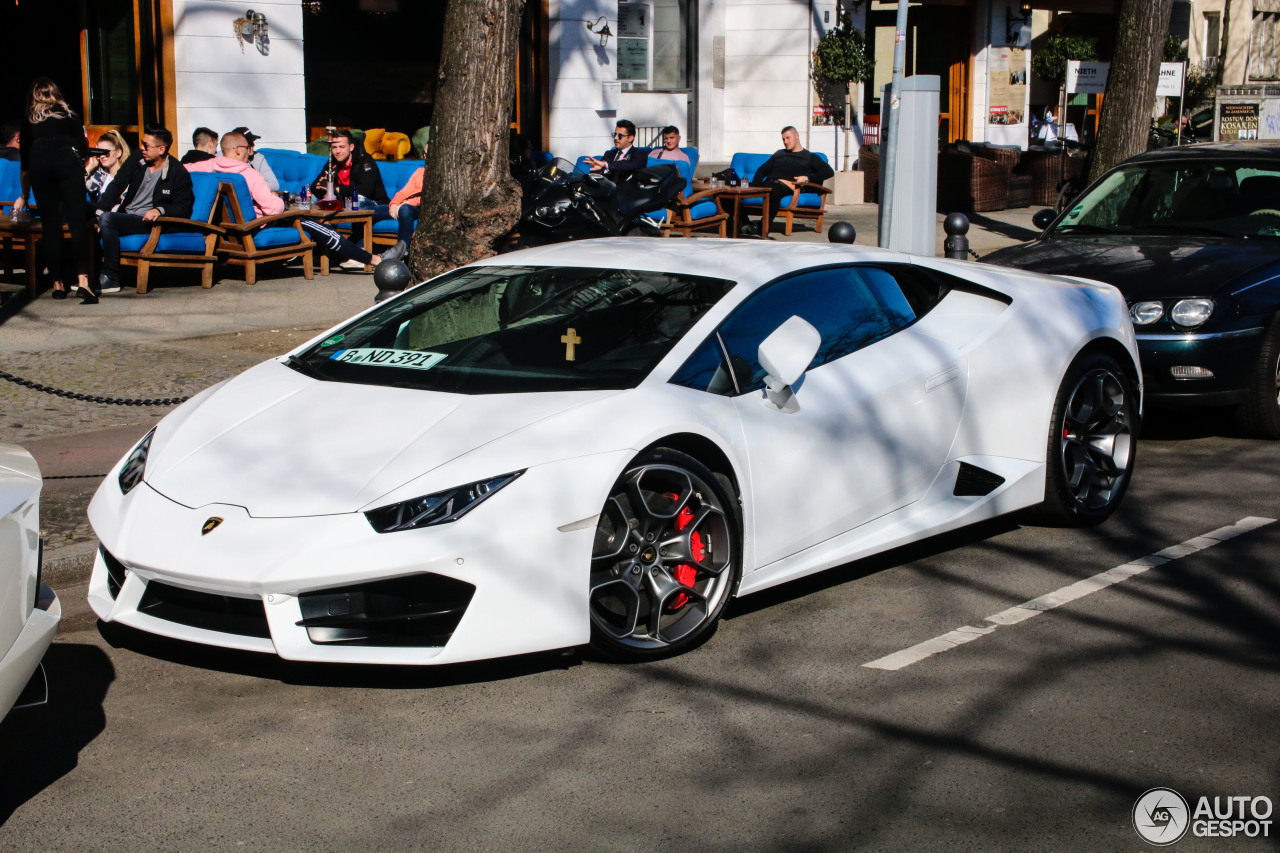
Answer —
(603, 442)
(29, 610)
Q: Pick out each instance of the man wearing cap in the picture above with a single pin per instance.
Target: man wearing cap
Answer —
(259, 163)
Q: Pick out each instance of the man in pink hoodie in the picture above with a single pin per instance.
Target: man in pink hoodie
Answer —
(235, 160)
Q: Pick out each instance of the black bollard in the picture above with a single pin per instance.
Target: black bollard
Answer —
(842, 232)
(956, 245)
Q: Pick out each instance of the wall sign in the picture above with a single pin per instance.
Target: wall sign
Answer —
(1087, 78)
(1237, 121)
(1170, 83)
(1007, 86)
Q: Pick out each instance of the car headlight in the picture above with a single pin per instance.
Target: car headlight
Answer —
(1146, 313)
(136, 465)
(437, 508)
(1191, 312)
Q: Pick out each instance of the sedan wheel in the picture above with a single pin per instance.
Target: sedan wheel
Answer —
(1092, 443)
(665, 558)
(1259, 414)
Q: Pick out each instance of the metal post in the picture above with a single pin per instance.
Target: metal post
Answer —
(956, 246)
(1182, 102)
(889, 130)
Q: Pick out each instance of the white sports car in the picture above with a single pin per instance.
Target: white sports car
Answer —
(604, 441)
(29, 610)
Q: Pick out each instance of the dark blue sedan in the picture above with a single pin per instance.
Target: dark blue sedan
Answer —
(1191, 237)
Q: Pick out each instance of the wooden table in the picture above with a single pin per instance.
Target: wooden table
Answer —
(737, 195)
(29, 232)
(358, 220)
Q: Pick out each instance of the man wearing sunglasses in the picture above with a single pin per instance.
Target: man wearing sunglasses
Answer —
(624, 158)
(150, 185)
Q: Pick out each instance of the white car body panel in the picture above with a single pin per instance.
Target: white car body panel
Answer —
(26, 630)
(291, 463)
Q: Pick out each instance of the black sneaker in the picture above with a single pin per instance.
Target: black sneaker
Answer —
(396, 252)
(106, 284)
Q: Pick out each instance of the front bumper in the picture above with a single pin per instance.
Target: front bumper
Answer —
(249, 582)
(23, 657)
(1230, 354)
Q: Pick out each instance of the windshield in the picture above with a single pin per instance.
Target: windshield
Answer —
(501, 330)
(1226, 198)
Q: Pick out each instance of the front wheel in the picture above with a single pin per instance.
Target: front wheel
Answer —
(1092, 443)
(1259, 414)
(665, 560)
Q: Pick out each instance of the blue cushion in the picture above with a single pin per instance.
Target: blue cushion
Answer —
(277, 236)
(806, 200)
(180, 242)
(293, 169)
(703, 209)
(10, 184)
(746, 165)
(240, 187)
(541, 158)
(396, 173)
(205, 186)
(389, 226)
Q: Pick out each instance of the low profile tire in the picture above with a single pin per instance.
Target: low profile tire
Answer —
(1092, 443)
(1259, 414)
(665, 560)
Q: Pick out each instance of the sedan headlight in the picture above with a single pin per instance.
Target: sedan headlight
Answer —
(1191, 312)
(1146, 313)
(136, 465)
(438, 508)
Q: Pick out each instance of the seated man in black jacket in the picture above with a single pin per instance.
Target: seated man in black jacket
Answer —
(623, 159)
(789, 166)
(150, 185)
(351, 171)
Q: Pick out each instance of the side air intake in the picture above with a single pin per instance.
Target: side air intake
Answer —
(973, 481)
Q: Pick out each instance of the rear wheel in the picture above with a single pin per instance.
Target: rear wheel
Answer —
(665, 559)
(1259, 414)
(1092, 443)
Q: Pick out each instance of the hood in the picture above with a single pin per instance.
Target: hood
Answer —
(281, 444)
(1146, 266)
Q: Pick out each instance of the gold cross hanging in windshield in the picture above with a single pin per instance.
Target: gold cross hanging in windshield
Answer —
(569, 340)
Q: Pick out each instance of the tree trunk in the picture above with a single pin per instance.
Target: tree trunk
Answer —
(1131, 86)
(469, 201)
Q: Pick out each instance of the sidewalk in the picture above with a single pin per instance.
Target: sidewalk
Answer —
(283, 297)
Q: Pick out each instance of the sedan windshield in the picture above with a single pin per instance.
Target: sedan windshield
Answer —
(500, 330)
(1192, 197)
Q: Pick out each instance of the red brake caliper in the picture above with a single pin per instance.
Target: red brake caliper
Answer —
(685, 573)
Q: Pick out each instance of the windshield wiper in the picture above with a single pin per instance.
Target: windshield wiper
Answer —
(303, 367)
(1084, 229)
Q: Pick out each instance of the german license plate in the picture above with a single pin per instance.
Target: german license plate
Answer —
(414, 359)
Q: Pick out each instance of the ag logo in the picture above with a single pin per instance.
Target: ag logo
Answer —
(1161, 816)
(210, 525)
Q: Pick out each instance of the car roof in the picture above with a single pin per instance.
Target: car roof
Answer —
(1249, 150)
(748, 261)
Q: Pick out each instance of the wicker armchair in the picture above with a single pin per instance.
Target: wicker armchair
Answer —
(1047, 170)
(968, 183)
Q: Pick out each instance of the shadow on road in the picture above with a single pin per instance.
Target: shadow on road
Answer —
(1004, 229)
(38, 746)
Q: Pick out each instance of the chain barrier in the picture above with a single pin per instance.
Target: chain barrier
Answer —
(90, 398)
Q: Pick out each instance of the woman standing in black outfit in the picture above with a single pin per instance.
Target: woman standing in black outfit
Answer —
(53, 151)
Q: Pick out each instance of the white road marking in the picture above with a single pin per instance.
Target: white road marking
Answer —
(1059, 597)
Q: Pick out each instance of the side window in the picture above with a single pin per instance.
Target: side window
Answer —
(905, 292)
(838, 302)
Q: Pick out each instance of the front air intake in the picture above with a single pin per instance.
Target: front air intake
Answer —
(222, 613)
(419, 610)
(115, 572)
(973, 481)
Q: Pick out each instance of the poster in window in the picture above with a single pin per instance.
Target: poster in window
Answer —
(1007, 85)
(633, 59)
(1237, 121)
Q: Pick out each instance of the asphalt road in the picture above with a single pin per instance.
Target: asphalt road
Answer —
(773, 736)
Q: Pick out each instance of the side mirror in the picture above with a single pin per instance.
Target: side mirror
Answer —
(785, 355)
(1043, 218)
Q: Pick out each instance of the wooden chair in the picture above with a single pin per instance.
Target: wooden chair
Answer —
(692, 211)
(248, 240)
(179, 243)
(806, 202)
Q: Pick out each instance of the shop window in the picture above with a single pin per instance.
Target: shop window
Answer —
(671, 58)
(112, 71)
(1264, 44)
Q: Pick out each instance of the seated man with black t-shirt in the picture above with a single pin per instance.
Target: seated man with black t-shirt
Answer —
(789, 167)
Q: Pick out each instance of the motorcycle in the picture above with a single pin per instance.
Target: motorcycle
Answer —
(561, 202)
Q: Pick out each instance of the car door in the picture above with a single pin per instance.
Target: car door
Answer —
(877, 409)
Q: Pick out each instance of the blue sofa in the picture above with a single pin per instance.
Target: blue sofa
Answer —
(183, 243)
(250, 239)
(294, 169)
(807, 204)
